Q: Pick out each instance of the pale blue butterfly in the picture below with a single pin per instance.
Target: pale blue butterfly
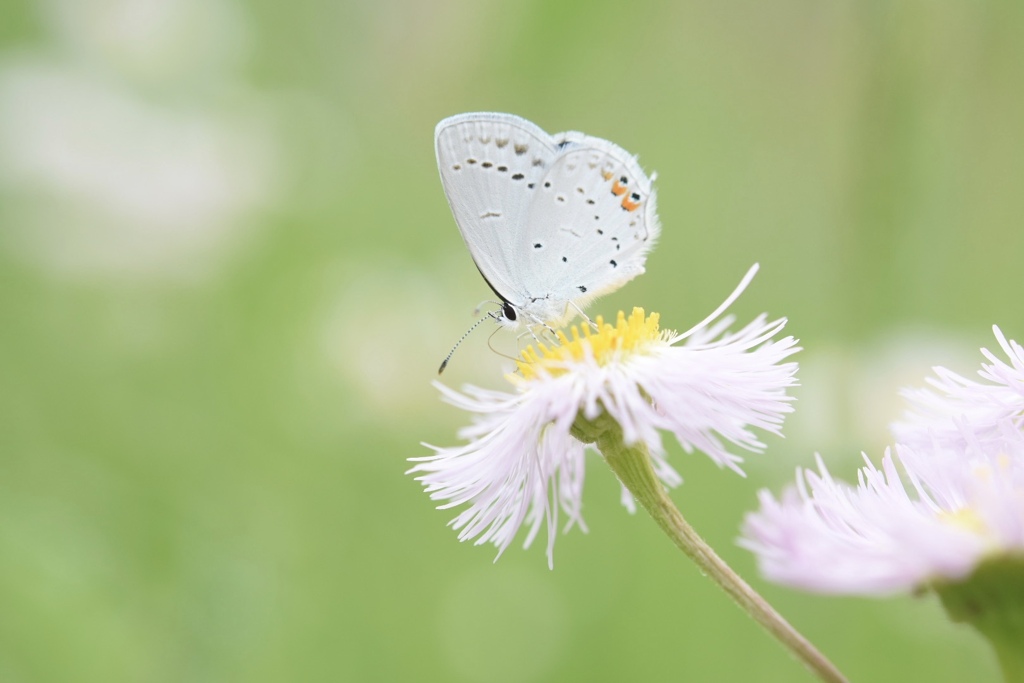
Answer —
(551, 221)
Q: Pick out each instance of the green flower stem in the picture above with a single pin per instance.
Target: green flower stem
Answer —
(992, 601)
(632, 465)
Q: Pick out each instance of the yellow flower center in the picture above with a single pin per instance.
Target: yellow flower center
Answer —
(606, 343)
(966, 519)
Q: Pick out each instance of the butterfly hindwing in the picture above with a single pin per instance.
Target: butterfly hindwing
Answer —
(594, 219)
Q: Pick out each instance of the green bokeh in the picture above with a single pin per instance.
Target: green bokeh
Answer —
(201, 473)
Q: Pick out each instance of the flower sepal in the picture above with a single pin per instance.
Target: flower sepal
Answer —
(991, 600)
(590, 431)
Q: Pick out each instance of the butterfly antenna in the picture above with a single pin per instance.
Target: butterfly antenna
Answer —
(447, 358)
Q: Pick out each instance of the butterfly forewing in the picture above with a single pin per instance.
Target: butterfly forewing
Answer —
(490, 165)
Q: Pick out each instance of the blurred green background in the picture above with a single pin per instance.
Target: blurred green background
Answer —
(229, 274)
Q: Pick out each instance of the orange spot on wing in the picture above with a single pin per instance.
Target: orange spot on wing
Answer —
(629, 205)
(618, 189)
(607, 175)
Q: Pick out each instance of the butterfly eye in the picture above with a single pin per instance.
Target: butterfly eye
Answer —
(508, 311)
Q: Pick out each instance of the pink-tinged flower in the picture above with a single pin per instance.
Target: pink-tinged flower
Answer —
(957, 411)
(521, 463)
(950, 499)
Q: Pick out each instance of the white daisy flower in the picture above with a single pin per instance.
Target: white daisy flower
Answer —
(958, 504)
(523, 460)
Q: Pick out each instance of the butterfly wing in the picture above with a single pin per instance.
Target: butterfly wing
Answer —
(588, 228)
(490, 166)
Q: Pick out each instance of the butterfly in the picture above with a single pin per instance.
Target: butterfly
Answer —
(552, 221)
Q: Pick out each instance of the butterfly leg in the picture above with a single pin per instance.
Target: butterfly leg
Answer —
(552, 335)
(529, 331)
(585, 316)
